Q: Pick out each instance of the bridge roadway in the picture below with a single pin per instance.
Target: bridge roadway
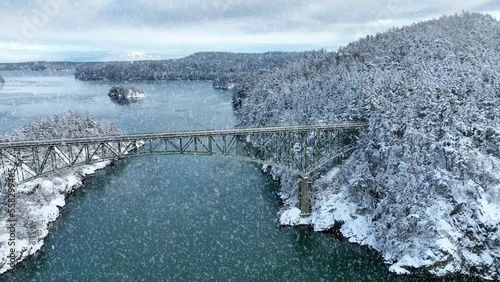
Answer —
(305, 150)
(181, 134)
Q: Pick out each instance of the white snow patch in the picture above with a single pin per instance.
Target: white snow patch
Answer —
(358, 231)
(290, 217)
(329, 176)
(398, 269)
(490, 210)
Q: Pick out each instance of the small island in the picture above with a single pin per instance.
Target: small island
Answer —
(126, 94)
(2, 81)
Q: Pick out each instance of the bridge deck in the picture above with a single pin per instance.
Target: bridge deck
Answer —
(180, 134)
(304, 150)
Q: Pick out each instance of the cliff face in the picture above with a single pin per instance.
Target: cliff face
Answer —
(39, 66)
(68, 125)
(423, 185)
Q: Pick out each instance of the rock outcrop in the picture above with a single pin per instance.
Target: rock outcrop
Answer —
(126, 94)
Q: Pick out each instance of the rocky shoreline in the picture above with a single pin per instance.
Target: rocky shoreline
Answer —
(38, 203)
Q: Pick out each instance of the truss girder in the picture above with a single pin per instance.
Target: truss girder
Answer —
(303, 150)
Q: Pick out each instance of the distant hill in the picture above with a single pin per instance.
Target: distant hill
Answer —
(223, 67)
(199, 66)
(38, 66)
(423, 185)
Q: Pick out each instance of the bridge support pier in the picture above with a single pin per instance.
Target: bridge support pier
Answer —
(304, 200)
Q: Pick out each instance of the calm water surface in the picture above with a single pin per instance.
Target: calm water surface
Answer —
(171, 218)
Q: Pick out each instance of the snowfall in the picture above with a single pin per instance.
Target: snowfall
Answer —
(40, 201)
(331, 206)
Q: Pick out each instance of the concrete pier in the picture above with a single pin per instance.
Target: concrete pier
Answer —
(304, 200)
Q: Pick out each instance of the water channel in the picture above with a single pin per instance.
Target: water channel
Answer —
(175, 218)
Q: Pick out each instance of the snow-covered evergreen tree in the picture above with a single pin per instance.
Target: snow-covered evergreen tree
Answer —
(423, 185)
(69, 125)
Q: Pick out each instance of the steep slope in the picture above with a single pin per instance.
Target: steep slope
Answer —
(423, 186)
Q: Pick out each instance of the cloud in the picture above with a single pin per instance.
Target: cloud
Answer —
(495, 13)
(167, 26)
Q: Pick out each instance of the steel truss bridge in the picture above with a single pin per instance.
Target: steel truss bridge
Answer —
(304, 150)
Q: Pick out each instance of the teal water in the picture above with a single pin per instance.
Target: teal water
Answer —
(175, 218)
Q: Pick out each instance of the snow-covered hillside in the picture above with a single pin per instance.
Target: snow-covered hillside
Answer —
(38, 202)
(423, 185)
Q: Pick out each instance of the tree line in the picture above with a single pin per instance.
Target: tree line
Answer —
(221, 66)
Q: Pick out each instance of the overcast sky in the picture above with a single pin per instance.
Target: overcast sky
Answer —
(154, 29)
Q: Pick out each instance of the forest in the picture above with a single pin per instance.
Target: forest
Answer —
(199, 66)
(422, 186)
